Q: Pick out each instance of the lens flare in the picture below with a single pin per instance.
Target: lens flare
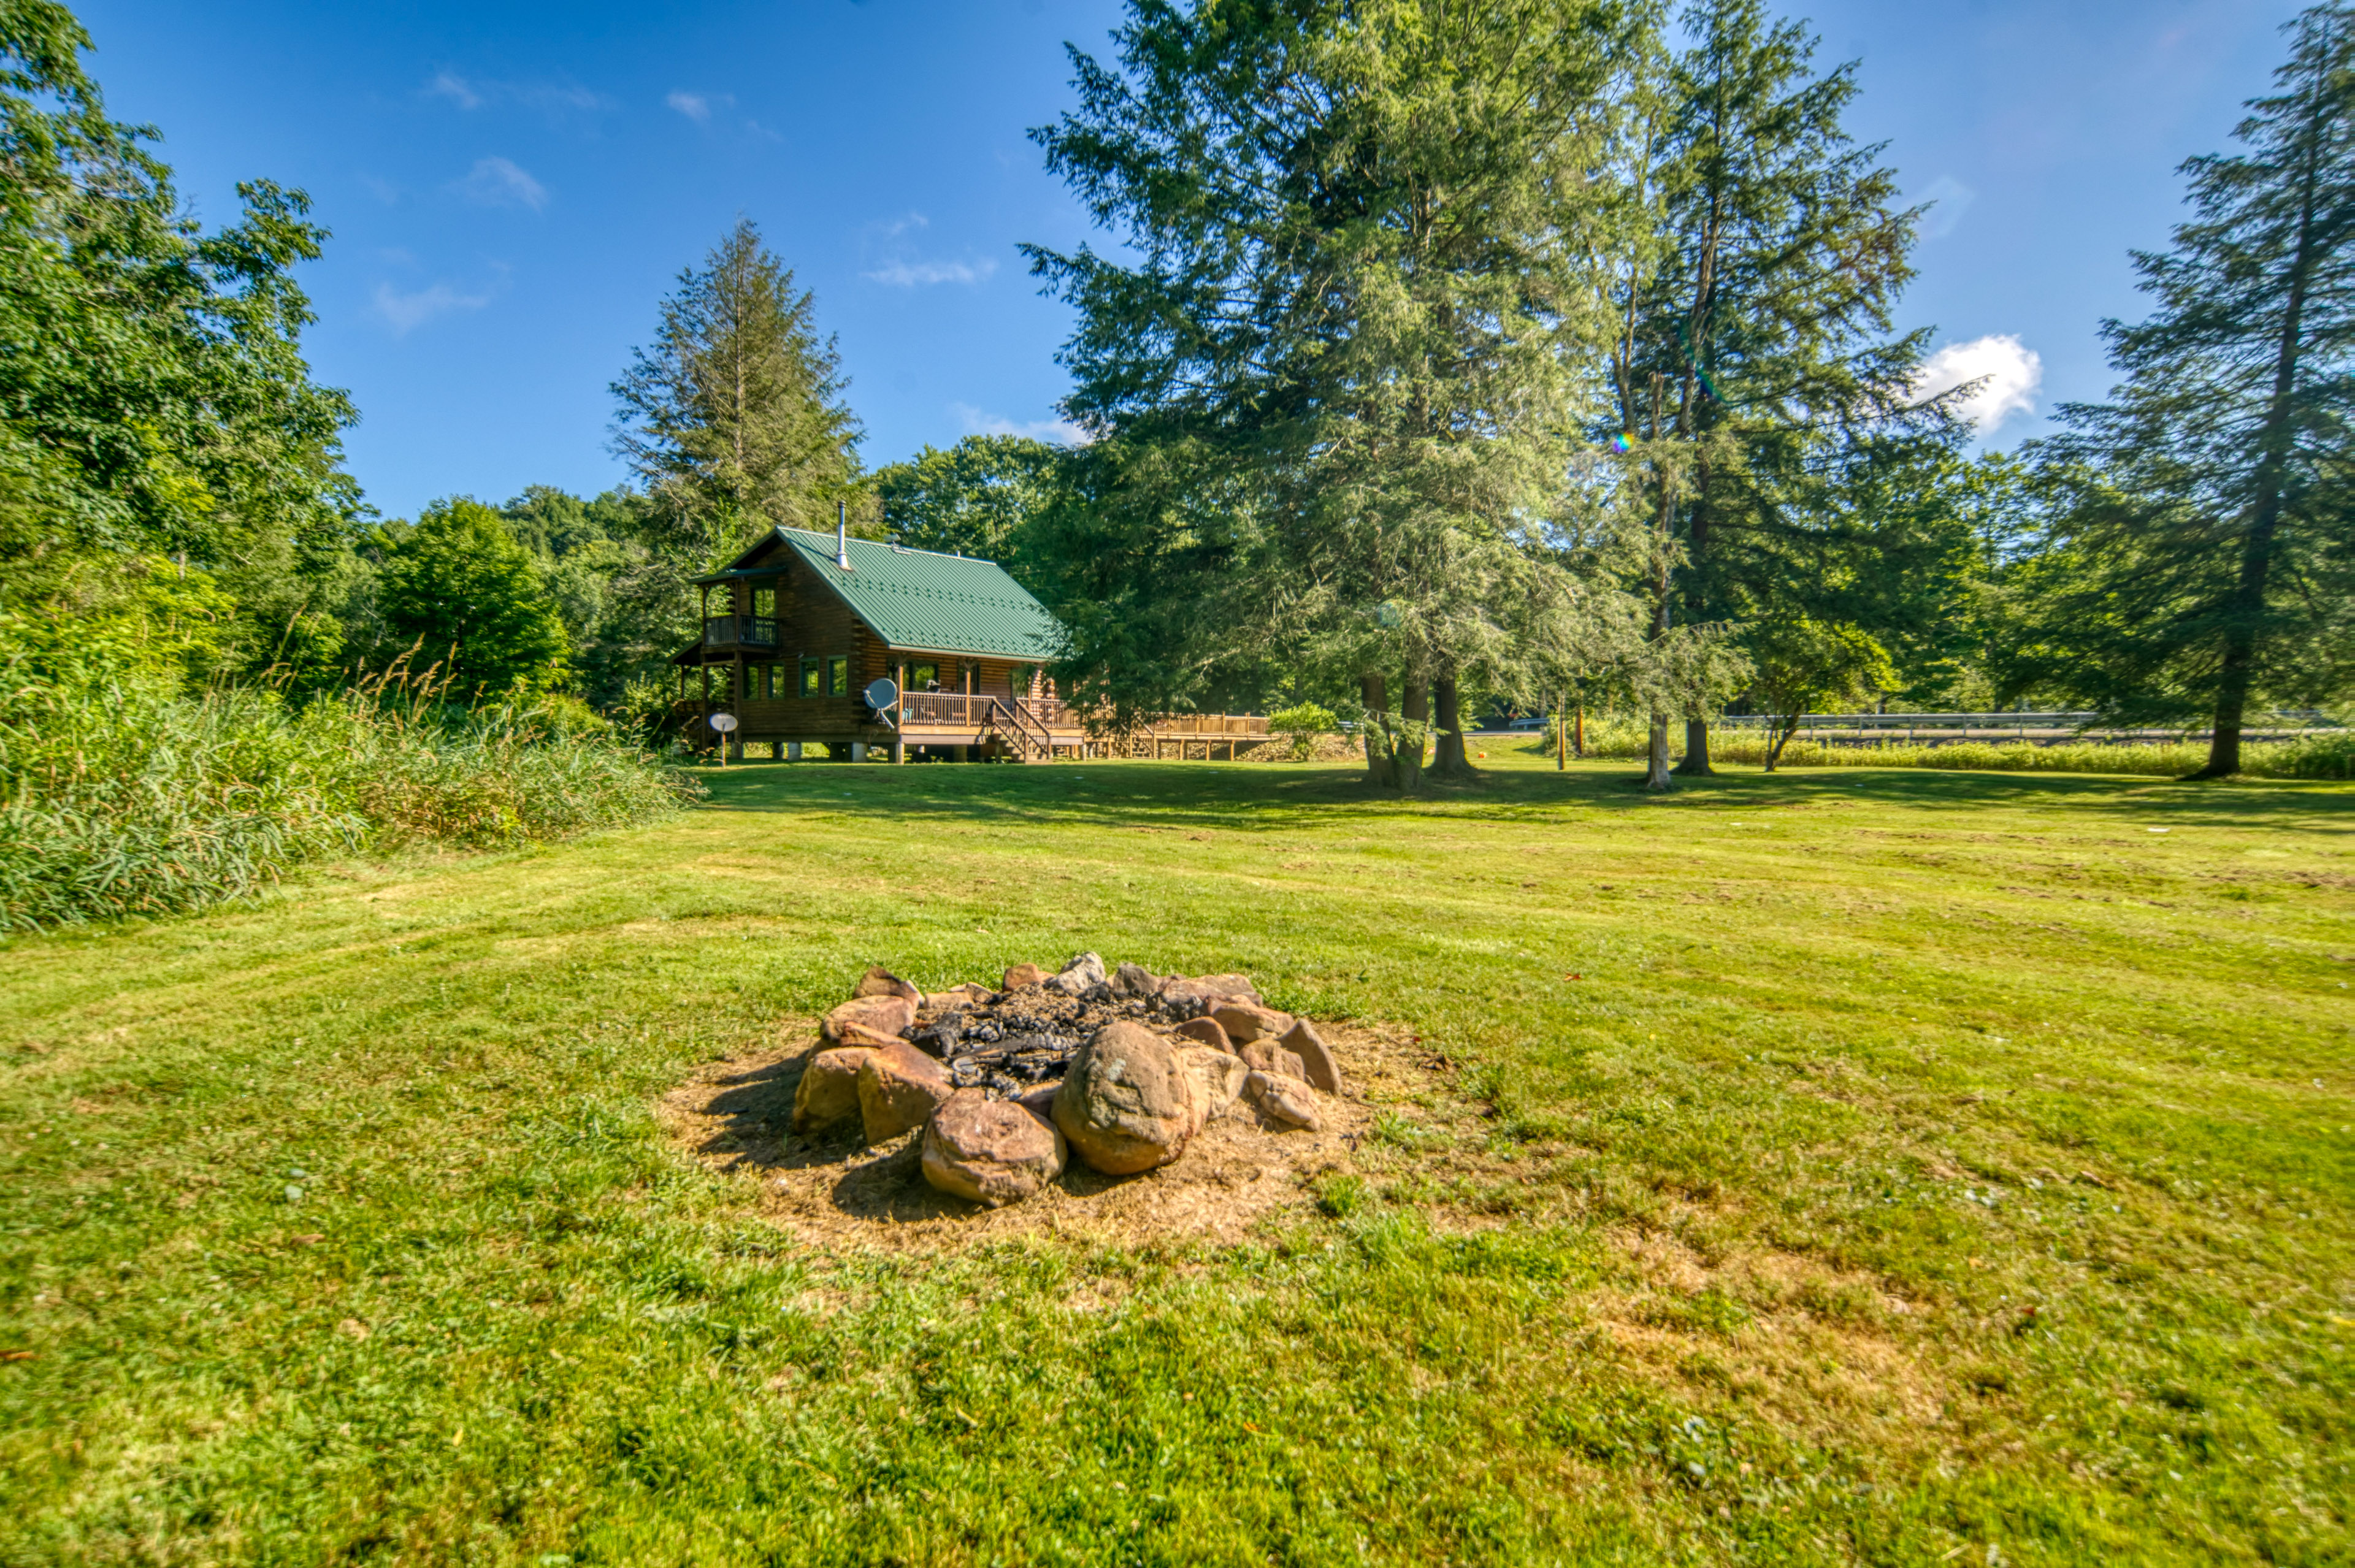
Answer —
(1623, 442)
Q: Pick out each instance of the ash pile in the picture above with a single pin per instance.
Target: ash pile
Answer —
(1120, 1071)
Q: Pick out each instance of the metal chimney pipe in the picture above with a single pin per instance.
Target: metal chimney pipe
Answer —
(842, 535)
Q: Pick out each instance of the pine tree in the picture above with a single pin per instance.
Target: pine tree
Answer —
(1752, 374)
(734, 419)
(2204, 556)
(1338, 389)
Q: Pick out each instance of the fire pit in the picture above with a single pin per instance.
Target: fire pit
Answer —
(1120, 1069)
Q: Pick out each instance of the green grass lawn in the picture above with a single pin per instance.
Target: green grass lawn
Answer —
(1921, 1167)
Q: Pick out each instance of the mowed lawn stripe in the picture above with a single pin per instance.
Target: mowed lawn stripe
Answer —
(1859, 1202)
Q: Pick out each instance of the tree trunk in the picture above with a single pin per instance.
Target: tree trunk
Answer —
(1656, 767)
(1788, 728)
(1414, 705)
(1695, 760)
(1381, 767)
(1454, 760)
(2257, 550)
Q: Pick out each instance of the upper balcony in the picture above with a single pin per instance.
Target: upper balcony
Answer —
(740, 632)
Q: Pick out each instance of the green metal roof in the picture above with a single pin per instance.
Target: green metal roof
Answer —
(939, 604)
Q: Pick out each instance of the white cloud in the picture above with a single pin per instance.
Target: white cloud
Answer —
(404, 312)
(551, 99)
(912, 274)
(496, 182)
(694, 105)
(2008, 372)
(1062, 433)
(455, 87)
(1947, 198)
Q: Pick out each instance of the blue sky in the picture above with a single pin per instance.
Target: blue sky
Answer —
(513, 187)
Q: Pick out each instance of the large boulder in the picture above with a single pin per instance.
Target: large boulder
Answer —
(1247, 1021)
(1084, 973)
(991, 1151)
(1217, 1079)
(882, 982)
(1127, 1105)
(1134, 980)
(1287, 1100)
(1202, 994)
(1206, 1032)
(1020, 974)
(899, 1088)
(1229, 985)
(1303, 1041)
(828, 1095)
(1267, 1056)
(880, 1017)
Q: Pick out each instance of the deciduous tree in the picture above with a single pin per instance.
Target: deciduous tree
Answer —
(458, 586)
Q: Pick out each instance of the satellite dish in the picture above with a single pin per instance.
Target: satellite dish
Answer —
(882, 694)
(723, 722)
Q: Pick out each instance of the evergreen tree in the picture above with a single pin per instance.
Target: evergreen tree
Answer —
(458, 587)
(2203, 557)
(1769, 412)
(1336, 385)
(734, 419)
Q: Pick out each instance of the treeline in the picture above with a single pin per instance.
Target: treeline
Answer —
(1545, 346)
(215, 665)
(1444, 357)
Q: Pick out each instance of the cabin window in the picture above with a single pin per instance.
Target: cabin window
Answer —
(837, 677)
(764, 603)
(924, 677)
(813, 678)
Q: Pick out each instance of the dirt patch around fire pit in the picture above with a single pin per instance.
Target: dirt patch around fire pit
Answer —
(736, 1116)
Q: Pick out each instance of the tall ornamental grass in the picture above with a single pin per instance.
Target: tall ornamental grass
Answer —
(117, 798)
(2328, 756)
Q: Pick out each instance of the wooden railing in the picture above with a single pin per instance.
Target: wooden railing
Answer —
(955, 710)
(740, 631)
(1173, 724)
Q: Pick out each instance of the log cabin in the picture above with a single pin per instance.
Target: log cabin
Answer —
(798, 628)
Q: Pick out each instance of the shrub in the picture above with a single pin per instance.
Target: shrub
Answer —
(122, 797)
(1304, 723)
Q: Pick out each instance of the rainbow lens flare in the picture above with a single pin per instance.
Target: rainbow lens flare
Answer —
(1623, 442)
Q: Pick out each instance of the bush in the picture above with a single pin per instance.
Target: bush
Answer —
(118, 797)
(1304, 723)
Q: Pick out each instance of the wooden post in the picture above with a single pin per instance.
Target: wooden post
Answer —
(1581, 732)
(1560, 736)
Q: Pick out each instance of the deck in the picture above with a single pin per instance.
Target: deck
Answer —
(1023, 728)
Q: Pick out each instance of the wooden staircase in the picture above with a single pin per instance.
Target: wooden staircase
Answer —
(1019, 729)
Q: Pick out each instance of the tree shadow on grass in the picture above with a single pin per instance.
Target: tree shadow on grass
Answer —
(1178, 796)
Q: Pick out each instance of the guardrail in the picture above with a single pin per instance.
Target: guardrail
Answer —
(740, 631)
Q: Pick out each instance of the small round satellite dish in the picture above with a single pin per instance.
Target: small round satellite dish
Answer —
(882, 693)
(723, 722)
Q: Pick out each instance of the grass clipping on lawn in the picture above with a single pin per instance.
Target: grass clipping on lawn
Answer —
(1856, 1166)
